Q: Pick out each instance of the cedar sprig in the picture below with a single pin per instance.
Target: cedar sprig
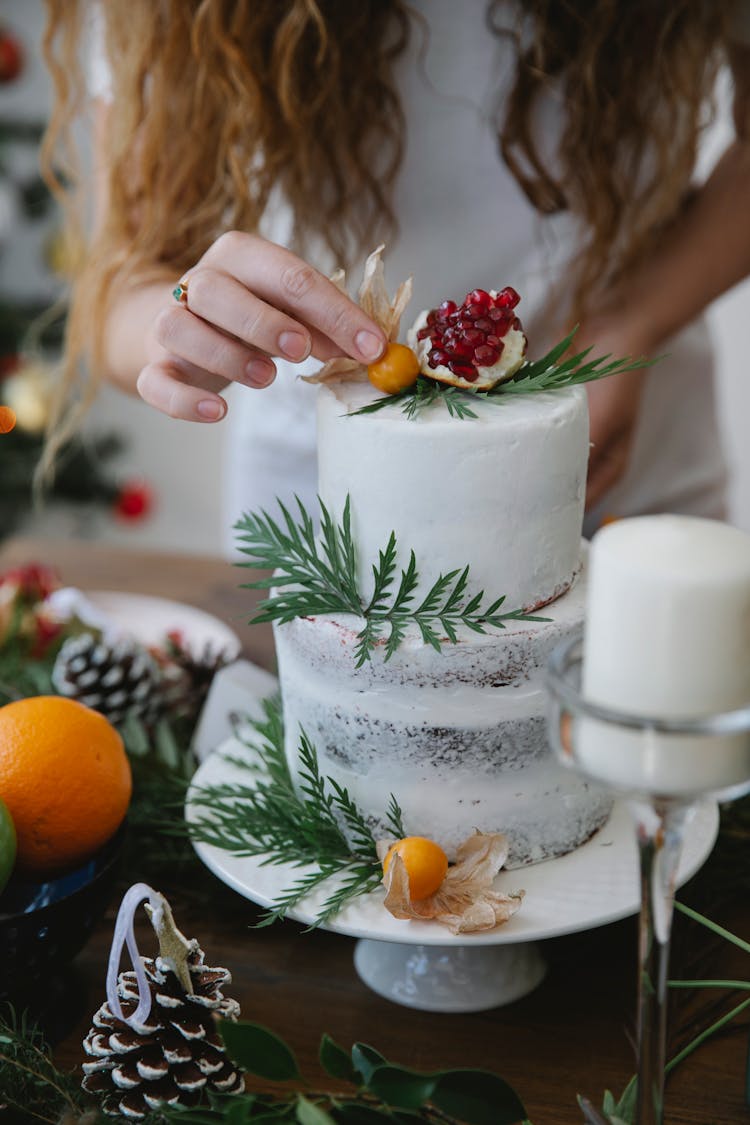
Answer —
(550, 373)
(313, 577)
(300, 826)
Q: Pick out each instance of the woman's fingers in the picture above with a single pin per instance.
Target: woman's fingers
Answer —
(287, 283)
(191, 338)
(219, 298)
(182, 391)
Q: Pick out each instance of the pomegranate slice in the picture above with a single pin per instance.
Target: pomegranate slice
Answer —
(474, 345)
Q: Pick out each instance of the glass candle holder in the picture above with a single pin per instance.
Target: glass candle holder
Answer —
(663, 767)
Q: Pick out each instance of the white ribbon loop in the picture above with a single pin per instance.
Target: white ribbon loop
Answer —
(125, 935)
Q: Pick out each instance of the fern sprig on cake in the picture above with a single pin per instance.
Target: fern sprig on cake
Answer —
(550, 373)
(317, 575)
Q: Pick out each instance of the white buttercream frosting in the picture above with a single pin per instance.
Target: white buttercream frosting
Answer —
(502, 492)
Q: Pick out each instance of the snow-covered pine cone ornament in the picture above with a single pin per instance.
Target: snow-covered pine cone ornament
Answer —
(118, 679)
(474, 345)
(173, 1055)
(188, 676)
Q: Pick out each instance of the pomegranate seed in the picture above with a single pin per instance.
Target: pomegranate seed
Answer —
(468, 336)
(464, 371)
(507, 298)
(478, 297)
(486, 356)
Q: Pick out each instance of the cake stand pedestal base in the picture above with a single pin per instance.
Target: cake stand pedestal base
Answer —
(456, 978)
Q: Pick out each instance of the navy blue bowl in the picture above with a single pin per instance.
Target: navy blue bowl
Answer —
(44, 925)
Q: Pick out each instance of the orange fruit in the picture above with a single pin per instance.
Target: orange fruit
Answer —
(397, 370)
(65, 778)
(7, 419)
(425, 861)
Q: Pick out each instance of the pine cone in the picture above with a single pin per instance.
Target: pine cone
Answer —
(177, 1056)
(188, 677)
(118, 680)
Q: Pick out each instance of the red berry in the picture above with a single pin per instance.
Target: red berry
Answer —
(11, 57)
(134, 501)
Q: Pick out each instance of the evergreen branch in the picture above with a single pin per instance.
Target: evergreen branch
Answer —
(363, 841)
(393, 818)
(317, 578)
(298, 827)
(550, 373)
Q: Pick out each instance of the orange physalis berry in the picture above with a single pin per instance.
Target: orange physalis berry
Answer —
(425, 861)
(7, 419)
(397, 370)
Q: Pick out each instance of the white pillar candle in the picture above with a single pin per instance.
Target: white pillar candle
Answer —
(667, 635)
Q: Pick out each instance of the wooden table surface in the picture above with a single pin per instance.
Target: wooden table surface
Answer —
(572, 1035)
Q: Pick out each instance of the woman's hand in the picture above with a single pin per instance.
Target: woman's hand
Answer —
(247, 301)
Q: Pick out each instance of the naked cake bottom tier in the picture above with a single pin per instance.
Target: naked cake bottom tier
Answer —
(458, 737)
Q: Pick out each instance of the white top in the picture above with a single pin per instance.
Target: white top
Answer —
(464, 223)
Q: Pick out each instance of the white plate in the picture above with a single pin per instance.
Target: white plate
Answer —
(595, 884)
(149, 619)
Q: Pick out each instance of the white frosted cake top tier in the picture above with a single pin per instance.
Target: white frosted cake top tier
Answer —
(502, 492)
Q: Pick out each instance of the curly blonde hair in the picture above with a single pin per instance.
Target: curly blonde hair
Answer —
(218, 103)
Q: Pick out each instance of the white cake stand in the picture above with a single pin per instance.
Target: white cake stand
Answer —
(421, 964)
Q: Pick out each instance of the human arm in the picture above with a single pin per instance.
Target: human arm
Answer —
(248, 301)
(704, 253)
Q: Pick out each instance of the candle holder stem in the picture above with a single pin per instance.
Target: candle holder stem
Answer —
(659, 827)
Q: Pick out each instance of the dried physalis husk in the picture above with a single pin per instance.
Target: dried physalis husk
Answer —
(374, 300)
(465, 901)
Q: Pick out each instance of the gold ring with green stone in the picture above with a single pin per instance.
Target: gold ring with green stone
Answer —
(180, 293)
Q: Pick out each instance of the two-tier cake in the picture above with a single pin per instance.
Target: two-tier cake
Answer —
(456, 735)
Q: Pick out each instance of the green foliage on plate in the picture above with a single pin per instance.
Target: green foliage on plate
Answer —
(300, 826)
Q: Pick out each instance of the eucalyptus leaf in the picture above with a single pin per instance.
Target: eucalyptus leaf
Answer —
(478, 1097)
(366, 1060)
(167, 750)
(308, 1113)
(402, 1088)
(135, 737)
(336, 1061)
(256, 1049)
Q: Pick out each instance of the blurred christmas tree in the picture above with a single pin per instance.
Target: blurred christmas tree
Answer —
(26, 383)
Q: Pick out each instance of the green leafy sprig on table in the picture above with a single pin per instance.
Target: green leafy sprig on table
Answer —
(33, 1088)
(550, 373)
(370, 1089)
(268, 817)
(314, 576)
